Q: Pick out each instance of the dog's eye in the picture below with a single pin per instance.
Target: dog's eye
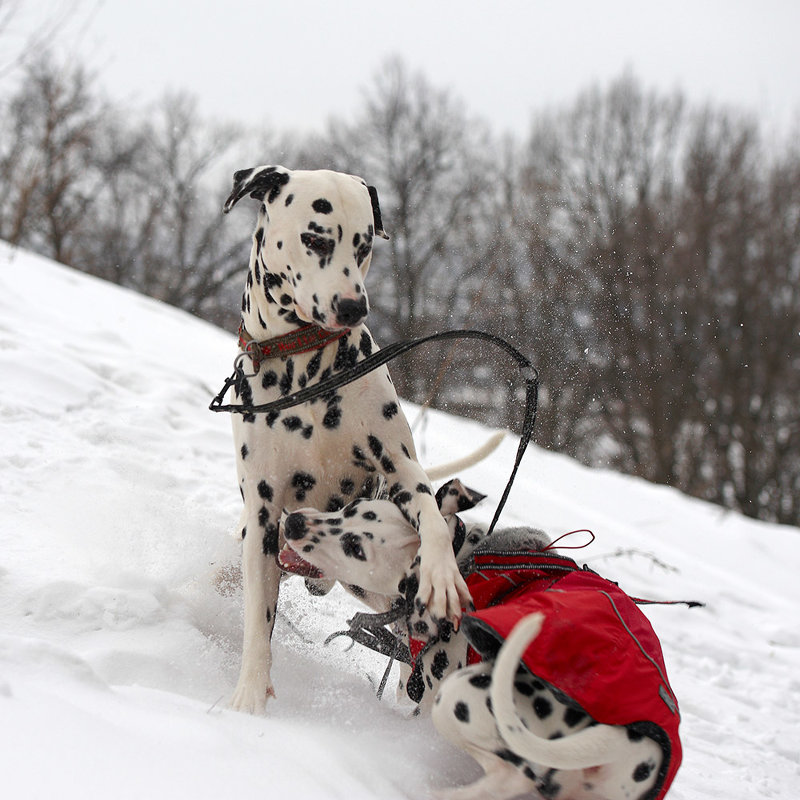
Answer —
(351, 545)
(317, 244)
(362, 253)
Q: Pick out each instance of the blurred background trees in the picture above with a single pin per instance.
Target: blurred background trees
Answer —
(643, 252)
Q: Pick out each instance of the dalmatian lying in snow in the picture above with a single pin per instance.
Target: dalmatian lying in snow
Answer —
(302, 321)
(509, 710)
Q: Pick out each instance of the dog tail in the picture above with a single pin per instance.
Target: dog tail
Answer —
(590, 747)
(448, 470)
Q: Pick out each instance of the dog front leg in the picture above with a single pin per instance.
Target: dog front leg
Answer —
(260, 581)
(441, 587)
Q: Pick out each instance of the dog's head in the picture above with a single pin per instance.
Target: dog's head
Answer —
(369, 544)
(312, 245)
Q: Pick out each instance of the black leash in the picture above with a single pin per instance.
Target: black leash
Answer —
(369, 630)
(381, 357)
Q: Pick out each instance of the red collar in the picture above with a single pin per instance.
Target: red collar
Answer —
(300, 340)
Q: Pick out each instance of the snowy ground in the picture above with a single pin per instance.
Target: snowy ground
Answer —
(117, 653)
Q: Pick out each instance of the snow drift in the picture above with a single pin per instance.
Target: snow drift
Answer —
(118, 652)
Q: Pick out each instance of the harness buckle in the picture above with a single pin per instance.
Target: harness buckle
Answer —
(238, 361)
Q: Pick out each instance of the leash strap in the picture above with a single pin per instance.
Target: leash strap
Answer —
(381, 357)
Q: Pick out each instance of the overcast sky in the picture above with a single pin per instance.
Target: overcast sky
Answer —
(291, 64)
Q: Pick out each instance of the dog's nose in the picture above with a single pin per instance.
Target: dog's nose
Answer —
(294, 526)
(351, 312)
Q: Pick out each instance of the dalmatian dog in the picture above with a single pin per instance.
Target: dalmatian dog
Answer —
(374, 553)
(525, 736)
(310, 254)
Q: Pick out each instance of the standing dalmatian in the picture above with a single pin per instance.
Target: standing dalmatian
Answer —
(303, 311)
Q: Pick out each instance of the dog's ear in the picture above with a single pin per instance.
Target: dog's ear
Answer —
(376, 213)
(454, 497)
(257, 181)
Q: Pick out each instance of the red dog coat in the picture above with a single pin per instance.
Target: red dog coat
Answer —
(596, 649)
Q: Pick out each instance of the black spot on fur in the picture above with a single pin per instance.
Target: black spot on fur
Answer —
(335, 504)
(387, 465)
(366, 344)
(542, 707)
(265, 491)
(287, 378)
(312, 368)
(351, 547)
(440, 664)
(245, 391)
(482, 681)
(572, 716)
(643, 771)
(461, 712)
(244, 451)
(390, 410)
(415, 688)
(333, 416)
(346, 486)
(548, 788)
(272, 281)
(302, 482)
(508, 755)
(269, 379)
(270, 542)
(529, 773)
(523, 687)
(322, 206)
(292, 423)
(421, 627)
(402, 498)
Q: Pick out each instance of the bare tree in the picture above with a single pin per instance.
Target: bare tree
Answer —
(672, 247)
(160, 229)
(46, 164)
(742, 238)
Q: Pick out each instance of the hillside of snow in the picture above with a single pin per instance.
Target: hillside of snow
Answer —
(118, 652)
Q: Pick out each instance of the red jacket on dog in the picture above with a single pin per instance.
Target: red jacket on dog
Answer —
(596, 647)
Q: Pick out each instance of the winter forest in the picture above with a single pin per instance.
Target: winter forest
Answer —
(644, 252)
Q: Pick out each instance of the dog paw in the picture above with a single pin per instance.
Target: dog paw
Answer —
(251, 696)
(442, 590)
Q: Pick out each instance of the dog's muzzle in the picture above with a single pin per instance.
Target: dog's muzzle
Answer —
(350, 313)
(294, 526)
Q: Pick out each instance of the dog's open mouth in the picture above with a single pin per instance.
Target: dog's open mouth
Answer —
(290, 561)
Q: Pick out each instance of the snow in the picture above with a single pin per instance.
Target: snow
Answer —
(118, 650)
